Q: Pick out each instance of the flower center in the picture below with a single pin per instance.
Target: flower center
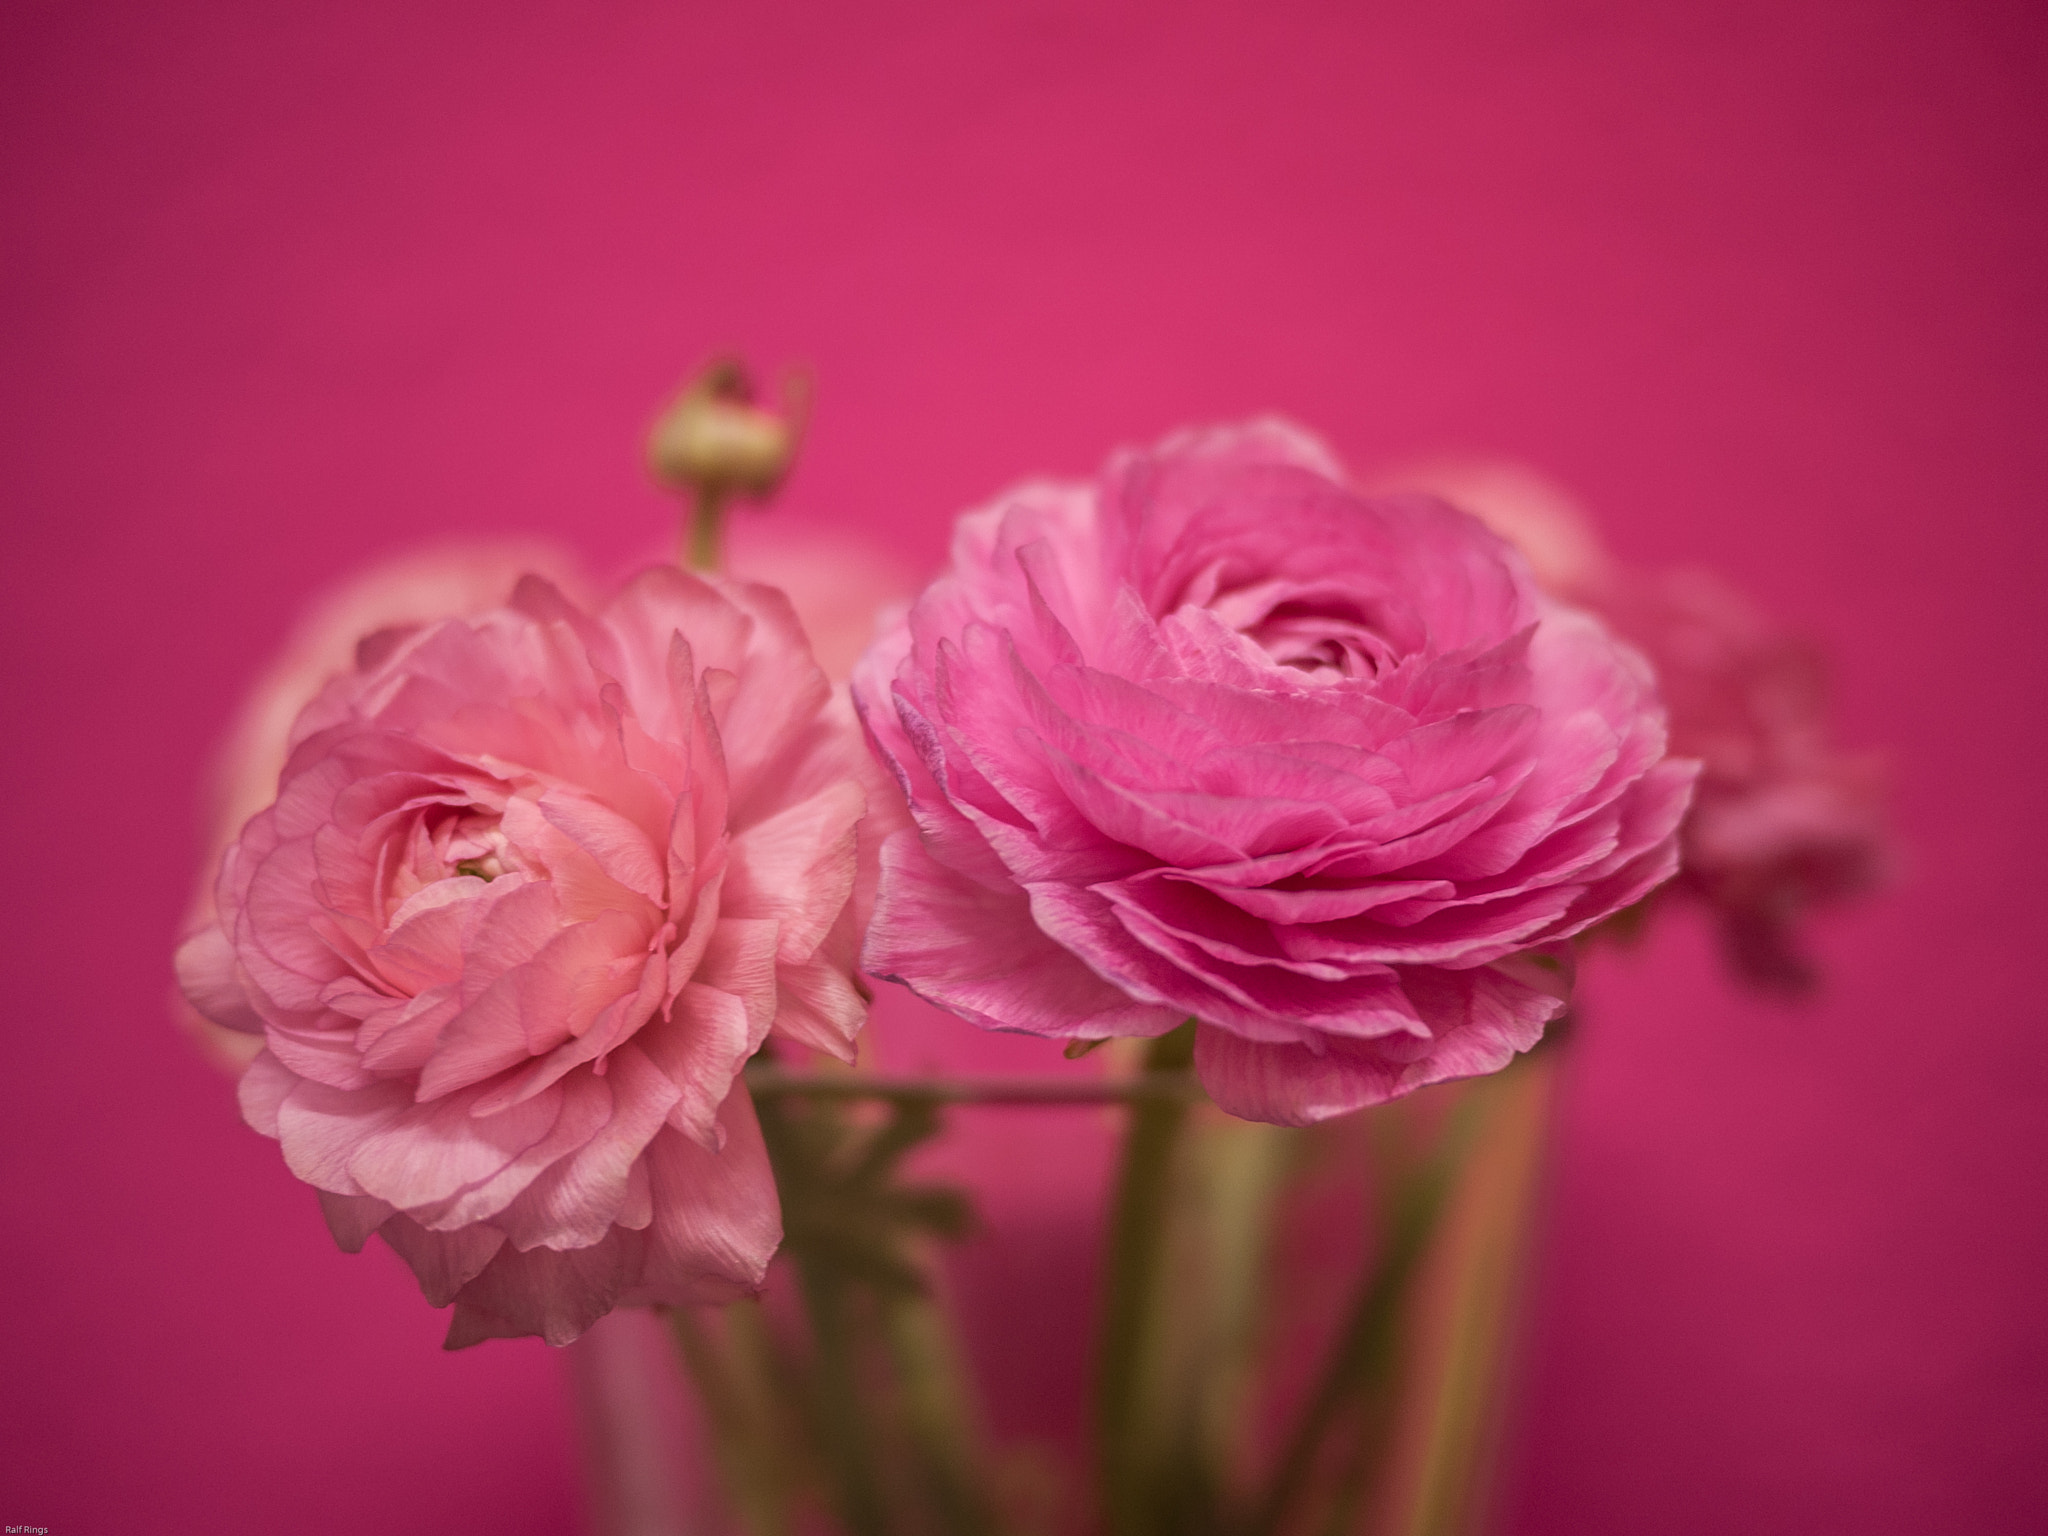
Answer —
(447, 842)
(474, 845)
(1327, 636)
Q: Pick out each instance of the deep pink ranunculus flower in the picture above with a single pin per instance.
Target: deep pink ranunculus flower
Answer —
(535, 885)
(1218, 738)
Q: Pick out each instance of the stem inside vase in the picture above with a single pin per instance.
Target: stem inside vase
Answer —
(1126, 1381)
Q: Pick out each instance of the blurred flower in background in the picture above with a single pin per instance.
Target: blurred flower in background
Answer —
(839, 583)
(1783, 820)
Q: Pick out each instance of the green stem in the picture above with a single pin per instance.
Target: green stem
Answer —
(1362, 1362)
(842, 1412)
(774, 1082)
(704, 533)
(838, 1421)
(1242, 1168)
(1490, 1234)
(1138, 1229)
(736, 1382)
(939, 1416)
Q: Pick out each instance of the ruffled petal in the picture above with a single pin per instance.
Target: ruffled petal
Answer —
(555, 1294)
(208, 976)
(717, 1221)
(980, 954)
(1481, 1020)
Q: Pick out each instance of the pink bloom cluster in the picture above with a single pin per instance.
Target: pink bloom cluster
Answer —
(1782, 819)
(535, 885)
(1216, 737)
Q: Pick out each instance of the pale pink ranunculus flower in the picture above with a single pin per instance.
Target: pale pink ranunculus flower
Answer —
(535, 884)
(421, 586)
(1782, 820)
(1216, 737)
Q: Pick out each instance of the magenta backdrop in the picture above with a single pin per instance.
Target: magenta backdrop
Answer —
(291, 287)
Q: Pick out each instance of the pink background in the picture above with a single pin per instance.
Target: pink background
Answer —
(289, 288)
